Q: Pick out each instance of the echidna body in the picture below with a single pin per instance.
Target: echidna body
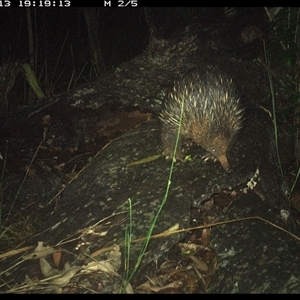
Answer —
(206, 106)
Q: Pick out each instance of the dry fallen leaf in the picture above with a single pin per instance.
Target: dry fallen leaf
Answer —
(110, 266)
(205, 236)
(57, 258)
(199, 263)
(40, 251)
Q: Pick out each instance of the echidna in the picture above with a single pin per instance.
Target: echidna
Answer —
(205, 104)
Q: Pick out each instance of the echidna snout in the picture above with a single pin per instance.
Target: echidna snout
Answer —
(224, 162)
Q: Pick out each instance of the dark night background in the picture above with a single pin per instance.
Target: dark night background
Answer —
(62, 46)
